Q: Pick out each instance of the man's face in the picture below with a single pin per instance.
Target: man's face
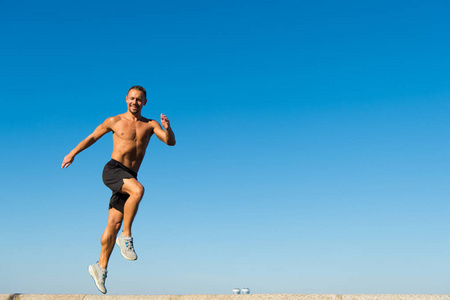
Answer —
(135, 101)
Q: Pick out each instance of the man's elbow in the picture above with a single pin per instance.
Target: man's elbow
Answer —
(171, 143)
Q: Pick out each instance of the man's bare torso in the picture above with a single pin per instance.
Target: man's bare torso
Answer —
(130, 139)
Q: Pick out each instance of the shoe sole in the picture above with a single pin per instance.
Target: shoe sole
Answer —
(91, 271)
(121, 252)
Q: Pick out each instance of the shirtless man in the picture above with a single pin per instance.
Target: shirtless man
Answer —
(131, 135)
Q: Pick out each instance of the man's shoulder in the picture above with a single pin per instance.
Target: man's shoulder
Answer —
(147, 121)
(114, 119)
(111, 122)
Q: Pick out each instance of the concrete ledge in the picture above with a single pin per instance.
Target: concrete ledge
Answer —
(223, 297)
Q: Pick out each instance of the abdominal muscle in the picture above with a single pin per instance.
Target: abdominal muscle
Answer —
(129, 152)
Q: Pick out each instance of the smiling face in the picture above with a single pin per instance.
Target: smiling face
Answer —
(135, 101)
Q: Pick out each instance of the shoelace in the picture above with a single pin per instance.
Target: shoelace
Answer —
(129, 245)
(103, 272)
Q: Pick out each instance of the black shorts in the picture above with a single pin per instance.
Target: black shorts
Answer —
(113, 175)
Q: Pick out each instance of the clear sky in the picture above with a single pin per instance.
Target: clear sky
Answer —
(312, 147)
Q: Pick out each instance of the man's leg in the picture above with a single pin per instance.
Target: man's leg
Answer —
(133, 188)
(115, 218)
(98, 270)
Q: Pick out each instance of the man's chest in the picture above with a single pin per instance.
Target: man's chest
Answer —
(133, 131)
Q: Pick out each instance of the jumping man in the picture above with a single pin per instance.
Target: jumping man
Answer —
(131, 135)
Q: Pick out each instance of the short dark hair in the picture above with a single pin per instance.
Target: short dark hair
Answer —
(139, 88)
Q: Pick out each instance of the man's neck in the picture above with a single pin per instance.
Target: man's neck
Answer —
(134, 117)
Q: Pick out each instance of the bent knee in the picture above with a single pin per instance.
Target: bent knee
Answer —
(133, 188)
(137, 191)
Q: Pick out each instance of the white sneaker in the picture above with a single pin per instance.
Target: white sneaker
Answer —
(126, 247)
(99, 275)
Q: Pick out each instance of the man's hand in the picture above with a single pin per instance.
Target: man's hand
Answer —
(166, 136)
(68, 160)
(165, 122)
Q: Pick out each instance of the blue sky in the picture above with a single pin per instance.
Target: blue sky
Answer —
(311, 157)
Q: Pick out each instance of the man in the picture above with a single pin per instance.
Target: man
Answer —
(131, 135)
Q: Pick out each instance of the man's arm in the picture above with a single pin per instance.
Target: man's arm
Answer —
(167, 136)
(100, 131)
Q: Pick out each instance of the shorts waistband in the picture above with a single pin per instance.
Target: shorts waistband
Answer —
(122, 166)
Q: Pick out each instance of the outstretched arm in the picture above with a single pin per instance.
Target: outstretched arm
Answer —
(101, 130)
(167, 136)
